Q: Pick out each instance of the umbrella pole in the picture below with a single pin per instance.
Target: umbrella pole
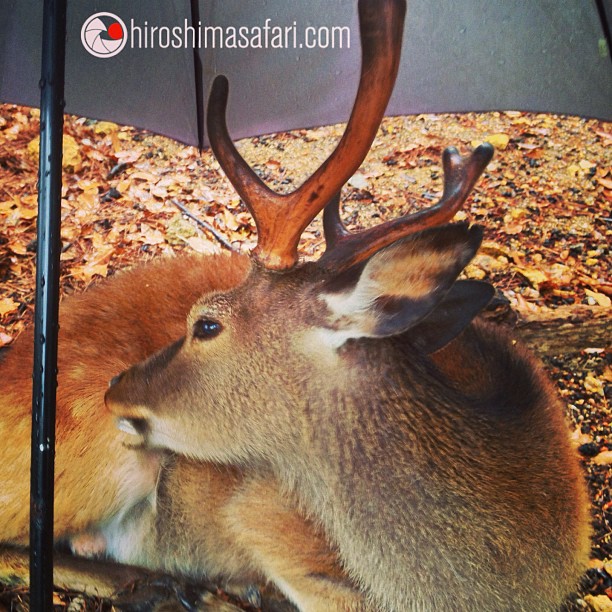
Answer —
(47, 305)
(197, 76)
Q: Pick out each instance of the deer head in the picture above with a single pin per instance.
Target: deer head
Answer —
(381, 282)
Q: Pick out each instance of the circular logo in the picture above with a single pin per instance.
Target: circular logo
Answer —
(104, 35)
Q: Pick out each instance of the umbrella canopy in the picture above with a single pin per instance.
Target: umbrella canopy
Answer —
(296, 64)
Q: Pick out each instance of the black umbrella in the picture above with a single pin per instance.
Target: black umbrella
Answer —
(472, 55)
(150, 66)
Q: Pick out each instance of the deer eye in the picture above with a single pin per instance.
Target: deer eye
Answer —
(205, 329)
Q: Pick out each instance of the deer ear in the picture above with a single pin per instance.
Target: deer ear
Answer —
(401, 285)
(451, 316)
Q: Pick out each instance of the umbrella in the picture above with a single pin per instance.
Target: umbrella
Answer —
(473, 55)
(150, 66)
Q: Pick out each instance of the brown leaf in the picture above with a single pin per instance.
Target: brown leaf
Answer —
(599, 603)
(593, 385)
(149, 177)
(201, 245)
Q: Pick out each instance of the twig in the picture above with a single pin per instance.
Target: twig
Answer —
(206, 226)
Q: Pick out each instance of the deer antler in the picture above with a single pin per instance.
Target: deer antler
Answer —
(345, 249)
(281, 219)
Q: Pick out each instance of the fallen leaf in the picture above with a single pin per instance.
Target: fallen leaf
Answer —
(603, 458)
(87, 272)
(593, 385)
(9, 205)
(128, 157)
(179, 230)
(579, 438)
(150, 235)
(499, 141)
(527, 146)
(8, 305)
(607, 183)
(596, 564)
(229, 220)
(512, 229)
(71, 156)
(599, 603)
(102, 254)
(600, 298)
(5, 339)
(19, 248)
(28, 213)
(159, 192)
(201, 245)
(358, 181)
(144, 176)
(604, 135)
(88, 200)
(586, 165)
(105, 127)
(57, 601)
(535, 277)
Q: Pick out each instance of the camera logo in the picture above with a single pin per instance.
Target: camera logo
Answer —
(104, 35)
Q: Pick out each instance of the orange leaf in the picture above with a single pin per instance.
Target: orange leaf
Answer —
(607, 183)
(17, 247)
(87, 272)
(8, 305)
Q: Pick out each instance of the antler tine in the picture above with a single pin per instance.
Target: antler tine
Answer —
(281, 219)
(333, 227)
(248, 185)
(460, 176)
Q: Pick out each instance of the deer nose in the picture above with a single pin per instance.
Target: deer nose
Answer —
(133, 426)
(115, 379)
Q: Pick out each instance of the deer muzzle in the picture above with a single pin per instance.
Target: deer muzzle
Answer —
(131, 395)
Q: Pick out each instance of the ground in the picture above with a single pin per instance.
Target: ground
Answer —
(544, 202)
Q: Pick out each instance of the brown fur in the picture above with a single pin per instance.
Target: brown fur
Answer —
(444, 486)
(201, 519)
(216, 521)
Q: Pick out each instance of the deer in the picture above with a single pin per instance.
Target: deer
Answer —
(428, 445)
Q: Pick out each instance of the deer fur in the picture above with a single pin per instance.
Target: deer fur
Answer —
(447, 481)
(148, 508)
